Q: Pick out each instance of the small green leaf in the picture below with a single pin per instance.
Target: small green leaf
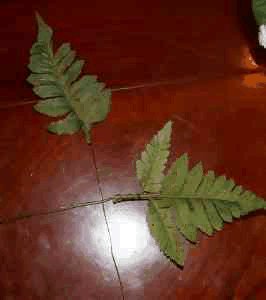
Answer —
(45, 32)
(48, 91)
(185, 220)
(200, 216)
(235, 210)
(81, 86)
(74, 71)
(213, 216)
(62, 52)
(69, 125)
(40, 48)
(56, 107)
(66, 62)
(193, 180)
(224, 211)
(39, 59)
(163, 229)
(249, 202)
(206, 183)
(39, 68)
(217, 186)
(41, 79)
(174, 181)
(90, 109)
(152, 163)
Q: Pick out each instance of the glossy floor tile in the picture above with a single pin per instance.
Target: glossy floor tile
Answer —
(62, 257)
(40, 171)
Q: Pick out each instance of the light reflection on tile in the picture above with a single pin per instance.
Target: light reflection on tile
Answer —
(91, 242)
(135, 249)
(130, 238)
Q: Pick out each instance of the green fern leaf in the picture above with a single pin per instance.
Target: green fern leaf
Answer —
(56, 79)
(187, 200)
(153, 159)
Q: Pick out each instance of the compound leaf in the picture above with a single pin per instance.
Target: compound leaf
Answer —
(187, 200)
(56, 79)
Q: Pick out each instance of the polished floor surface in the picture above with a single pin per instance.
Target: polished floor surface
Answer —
(194, 62)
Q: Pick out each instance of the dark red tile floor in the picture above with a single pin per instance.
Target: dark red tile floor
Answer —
(193, 64)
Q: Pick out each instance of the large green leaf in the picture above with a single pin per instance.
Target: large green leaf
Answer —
(153, 159)
(259, 10)
(185, 201)
(56, 77)
(163, 228)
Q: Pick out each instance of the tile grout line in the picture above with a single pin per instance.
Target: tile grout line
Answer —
(106, 222)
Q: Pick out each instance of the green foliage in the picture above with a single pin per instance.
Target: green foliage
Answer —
(259, 10)
(152, 163)
(163, 228)
(188, 200)
(56, 78)
(150, 174)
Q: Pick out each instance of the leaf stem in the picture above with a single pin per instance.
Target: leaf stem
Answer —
(115, 199)
(157, 196)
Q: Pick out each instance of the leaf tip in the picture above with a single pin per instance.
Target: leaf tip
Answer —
(38, 18)
(211, 174)
(165, 131)
(184, 157)
(37, 15)
(199, 167)
(168, 125)
(29, 79)
(51, 128)
(36, 107)
(44, 30)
